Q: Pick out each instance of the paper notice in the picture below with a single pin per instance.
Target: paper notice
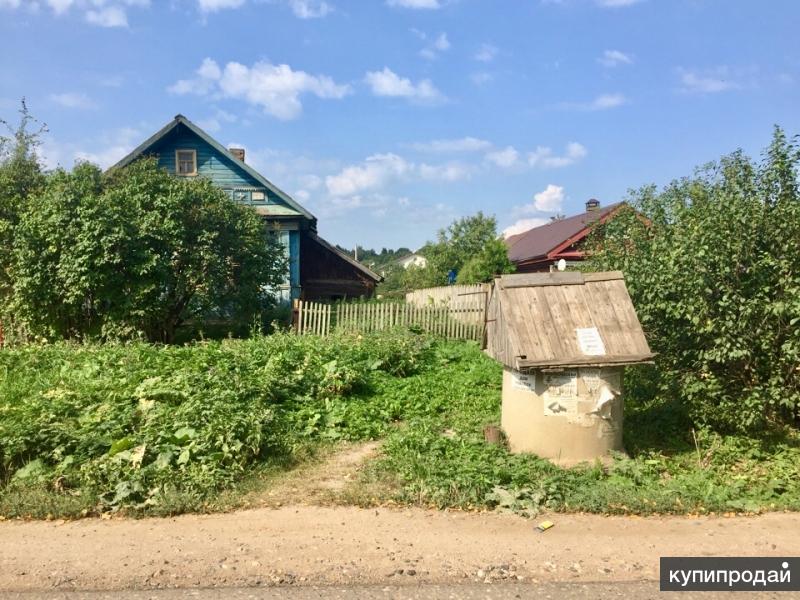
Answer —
(590, 342)
(523, 381)
(591, 379)
(561, 393)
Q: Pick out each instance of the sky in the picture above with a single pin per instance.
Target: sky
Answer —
(388, 119)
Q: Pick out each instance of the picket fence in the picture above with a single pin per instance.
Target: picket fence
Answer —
(451, 322)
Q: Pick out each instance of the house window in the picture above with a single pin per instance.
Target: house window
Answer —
(186, 162)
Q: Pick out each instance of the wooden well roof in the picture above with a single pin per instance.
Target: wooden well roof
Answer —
(572, 319)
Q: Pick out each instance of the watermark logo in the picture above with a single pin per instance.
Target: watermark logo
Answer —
(736, 574)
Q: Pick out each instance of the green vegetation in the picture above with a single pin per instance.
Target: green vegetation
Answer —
(439, 458)
(132, 253)
(159, 430)
(143, 427)
(712, 263)
(469, 246)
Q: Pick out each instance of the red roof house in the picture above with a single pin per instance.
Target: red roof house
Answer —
(539, 248)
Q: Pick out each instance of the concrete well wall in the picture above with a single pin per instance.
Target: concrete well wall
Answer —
(568, 416)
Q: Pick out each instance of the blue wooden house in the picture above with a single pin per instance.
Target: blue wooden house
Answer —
(317, 269)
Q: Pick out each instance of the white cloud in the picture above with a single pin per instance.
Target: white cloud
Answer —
(103, 150)
(387, 83)
(436, 47)
(209, 6)
(506, 158)
(214, 123)
(379, 170)
(416, 4)
(613, 58)
(464, 144)
(543, 157)
(73, 100)
(524, 225)
(103, 13)
(712, 81)
(60, 6)
(481, 78)
(601, 102)
(373, 173)
(486, 53)
(111, 16)
(310, 9)
(275, 88)
(449, 172)
(549, 199)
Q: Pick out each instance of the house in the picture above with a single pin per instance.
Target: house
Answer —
(540, 248)
(317, 269)
(413, 260)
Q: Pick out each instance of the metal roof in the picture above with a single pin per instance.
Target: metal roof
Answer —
(181, 120)
(540, 241)
(570, 319)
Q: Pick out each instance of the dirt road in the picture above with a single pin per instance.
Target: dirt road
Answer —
(329, 545)
(307, 545)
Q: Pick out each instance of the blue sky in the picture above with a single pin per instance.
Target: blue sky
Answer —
(390, 118)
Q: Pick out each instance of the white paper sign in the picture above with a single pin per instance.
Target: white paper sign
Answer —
(523, 381)
(561, 393)
(561, 385)
(590, 342)
(591, 379)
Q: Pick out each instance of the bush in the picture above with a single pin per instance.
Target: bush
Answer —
(711, 263)
(133, 424)
(136, 252)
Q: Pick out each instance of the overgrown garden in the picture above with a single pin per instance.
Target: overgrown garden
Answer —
(100, 409)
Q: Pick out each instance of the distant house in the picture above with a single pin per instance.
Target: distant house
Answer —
(413, 260)
(317, 270)
(540, 248)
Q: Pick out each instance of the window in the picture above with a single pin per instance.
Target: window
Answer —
(185, 162)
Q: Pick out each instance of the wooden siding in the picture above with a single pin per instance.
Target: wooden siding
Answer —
(222, 169)
(324, 275)
(533, 320)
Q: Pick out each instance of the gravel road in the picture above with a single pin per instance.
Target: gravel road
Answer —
(310, 545)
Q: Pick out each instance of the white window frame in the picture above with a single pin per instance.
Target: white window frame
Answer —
(178, 163)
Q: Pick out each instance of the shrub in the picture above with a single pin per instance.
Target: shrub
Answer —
(134, 423)
(711, 263)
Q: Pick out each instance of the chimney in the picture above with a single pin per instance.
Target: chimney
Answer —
(237, 152)
(592, 204)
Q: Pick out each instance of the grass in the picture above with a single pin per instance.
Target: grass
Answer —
(213, 426)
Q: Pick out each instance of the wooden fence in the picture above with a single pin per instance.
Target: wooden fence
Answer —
(466, 302)
(458, 323)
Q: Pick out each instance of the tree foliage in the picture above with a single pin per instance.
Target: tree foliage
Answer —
(712, 263)
(469, 246)
(136, 252)
(20, 176)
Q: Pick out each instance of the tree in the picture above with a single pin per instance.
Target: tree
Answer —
(469, 243)
(712, 263)
(491, 261)
(138, 252)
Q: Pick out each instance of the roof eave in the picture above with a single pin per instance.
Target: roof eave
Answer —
(180, 119)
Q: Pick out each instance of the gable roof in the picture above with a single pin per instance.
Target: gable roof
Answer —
(540, 241)
(568, 319)
(181, 120)
(346, 257)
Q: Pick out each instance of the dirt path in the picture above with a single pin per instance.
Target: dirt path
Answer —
(306, 544)
(320, 482)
